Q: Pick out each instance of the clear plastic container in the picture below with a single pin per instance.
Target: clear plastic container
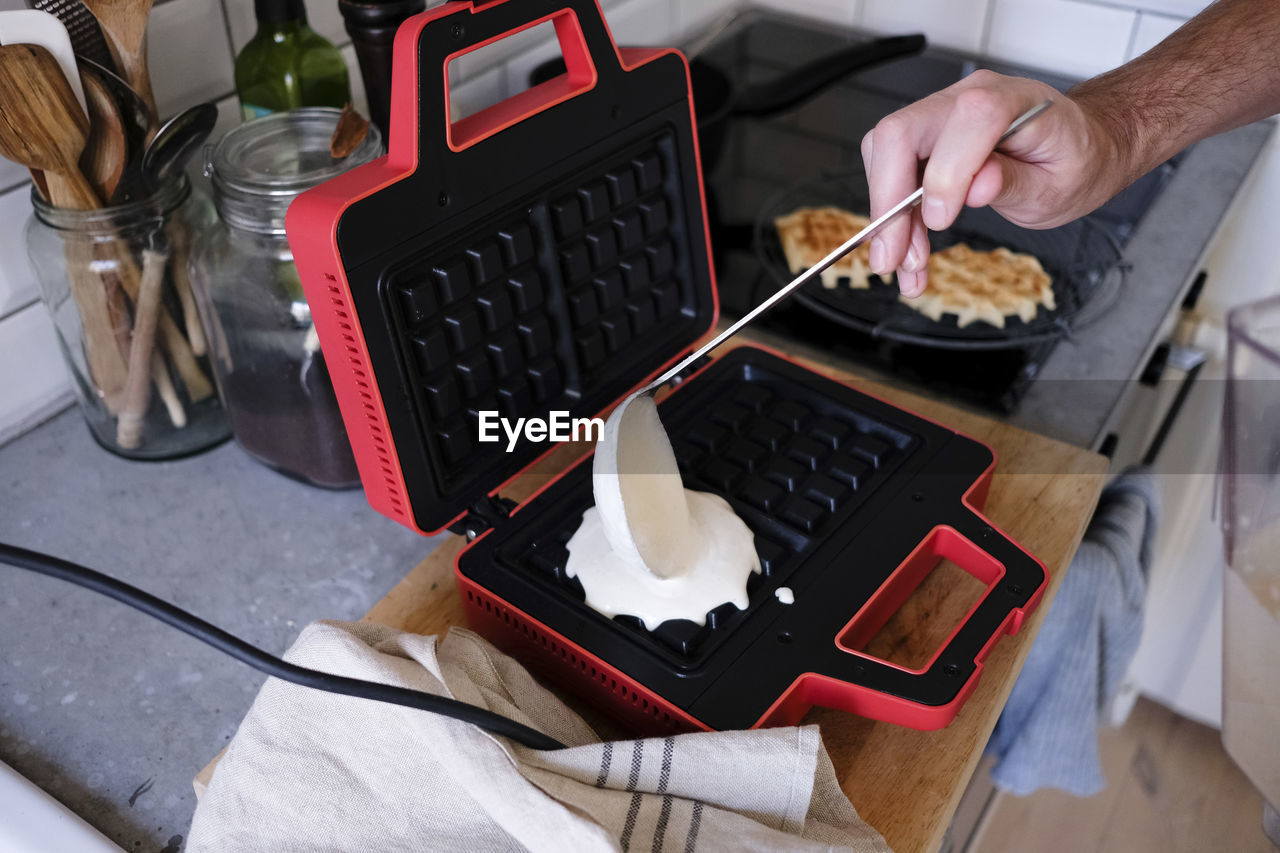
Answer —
(267, 357)
(95, 269)
(1251, 526)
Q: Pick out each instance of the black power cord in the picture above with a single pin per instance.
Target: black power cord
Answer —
(258, 659)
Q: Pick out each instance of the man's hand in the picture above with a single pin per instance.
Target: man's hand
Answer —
(1219, 71)
(1056, 168)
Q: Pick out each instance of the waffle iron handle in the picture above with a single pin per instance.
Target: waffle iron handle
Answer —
(930, 698)
(462, 27)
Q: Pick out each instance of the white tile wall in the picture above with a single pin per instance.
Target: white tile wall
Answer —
(34, 382)
(533, 48)
(228, 119)
(471, 96)
(641, 23)
(193, 42)
(539, 40)
(11, 175)
(17, 280)
(691, 16)
(188, 54)
(322, 15)
(957, 24)
(1152, 29)
(241, 24)
(1075, 37)
(836, 11)
(358, 97)
(1176, 8)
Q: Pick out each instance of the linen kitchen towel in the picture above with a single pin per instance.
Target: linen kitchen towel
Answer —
(312, 771)
(1048, 733)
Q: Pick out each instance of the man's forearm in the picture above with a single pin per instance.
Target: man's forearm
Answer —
(1219, 71)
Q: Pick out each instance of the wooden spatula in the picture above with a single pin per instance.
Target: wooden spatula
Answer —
(44, 127)
(124, 23)
(107, 149)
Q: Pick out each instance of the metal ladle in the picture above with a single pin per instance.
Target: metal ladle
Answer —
(176, 142)
(168, 152)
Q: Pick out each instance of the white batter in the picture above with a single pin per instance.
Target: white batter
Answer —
(651, 548)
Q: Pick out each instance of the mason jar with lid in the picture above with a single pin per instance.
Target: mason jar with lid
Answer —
(266, 354)
(114, 280)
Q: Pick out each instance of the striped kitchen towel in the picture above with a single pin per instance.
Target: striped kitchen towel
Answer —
(316, 771)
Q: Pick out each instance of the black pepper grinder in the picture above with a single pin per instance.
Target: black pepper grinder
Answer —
(372, 25)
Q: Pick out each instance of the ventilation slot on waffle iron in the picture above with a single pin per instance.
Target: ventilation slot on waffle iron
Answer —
(394, 491)
(606, 681)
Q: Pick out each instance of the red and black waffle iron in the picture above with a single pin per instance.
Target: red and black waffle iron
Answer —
(550, 253)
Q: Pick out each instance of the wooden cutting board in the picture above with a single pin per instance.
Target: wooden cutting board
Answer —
(903, 782)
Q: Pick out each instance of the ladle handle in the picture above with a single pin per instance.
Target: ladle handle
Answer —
(836, 254)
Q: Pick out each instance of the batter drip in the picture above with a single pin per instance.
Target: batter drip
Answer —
(651, 548)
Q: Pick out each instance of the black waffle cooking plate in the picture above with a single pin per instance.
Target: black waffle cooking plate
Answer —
(838, 488)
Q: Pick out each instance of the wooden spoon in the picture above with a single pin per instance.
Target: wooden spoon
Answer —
(103, 161)
(137, 393)
(107, 150)
(124, 23)
(44, 127)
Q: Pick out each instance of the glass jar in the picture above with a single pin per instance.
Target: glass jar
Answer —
(267, 357)
(1250, 501)
(115, 282)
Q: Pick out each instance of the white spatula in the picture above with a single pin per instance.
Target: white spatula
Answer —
(28, 26)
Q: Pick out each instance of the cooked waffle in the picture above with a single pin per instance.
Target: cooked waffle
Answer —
(990, 286)
(809, 234)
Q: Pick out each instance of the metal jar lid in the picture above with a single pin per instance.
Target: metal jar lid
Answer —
(258, 168)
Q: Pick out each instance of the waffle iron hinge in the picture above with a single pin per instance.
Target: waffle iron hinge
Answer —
(483, 515)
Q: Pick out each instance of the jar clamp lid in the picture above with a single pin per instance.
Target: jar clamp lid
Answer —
(258, 168)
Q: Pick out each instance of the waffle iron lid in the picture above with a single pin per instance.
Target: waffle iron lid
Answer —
(543, 255)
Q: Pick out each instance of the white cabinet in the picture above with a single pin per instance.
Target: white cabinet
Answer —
(1180, 660)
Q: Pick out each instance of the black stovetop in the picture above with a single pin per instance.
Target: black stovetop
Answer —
(765, 156)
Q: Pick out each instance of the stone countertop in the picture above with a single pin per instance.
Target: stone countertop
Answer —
(111, 712)
(1085, 382)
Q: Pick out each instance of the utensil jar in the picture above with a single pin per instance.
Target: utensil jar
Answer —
(266, 353)
(115, 283)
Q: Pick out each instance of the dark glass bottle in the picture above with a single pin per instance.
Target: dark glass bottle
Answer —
(287, 64)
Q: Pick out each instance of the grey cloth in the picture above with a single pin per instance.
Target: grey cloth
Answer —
(1048, 733)
(312, 771)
